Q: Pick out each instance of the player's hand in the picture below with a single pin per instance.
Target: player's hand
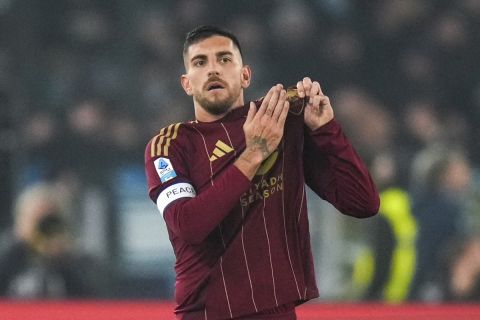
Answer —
(263, 128)
(318, 110)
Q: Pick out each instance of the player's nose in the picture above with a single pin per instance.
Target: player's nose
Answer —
(213, 69)
(213, 73)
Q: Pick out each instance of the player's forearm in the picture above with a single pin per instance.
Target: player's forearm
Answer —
(194, 219)
(337, 173)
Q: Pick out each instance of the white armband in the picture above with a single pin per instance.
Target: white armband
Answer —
(174, 192)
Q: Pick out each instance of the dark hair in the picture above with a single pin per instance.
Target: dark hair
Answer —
(204, 32)
(51, 224)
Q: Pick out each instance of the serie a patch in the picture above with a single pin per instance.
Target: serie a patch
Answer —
(164, 169)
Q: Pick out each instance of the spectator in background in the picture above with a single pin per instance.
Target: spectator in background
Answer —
(392, 236)
(38, 259)
(365, 120)
(442, 178)
(464, 262)
(39, 134)
(464, 271)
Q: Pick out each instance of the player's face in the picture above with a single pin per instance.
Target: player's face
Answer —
(215, 75)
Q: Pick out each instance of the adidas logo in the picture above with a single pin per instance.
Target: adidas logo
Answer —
(220, 150)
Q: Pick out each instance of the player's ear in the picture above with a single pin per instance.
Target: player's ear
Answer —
(186, 84)
(246, 76)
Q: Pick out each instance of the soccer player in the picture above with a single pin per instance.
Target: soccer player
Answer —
(231, 186)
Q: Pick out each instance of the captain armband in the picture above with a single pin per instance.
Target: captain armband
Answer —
(174, 192)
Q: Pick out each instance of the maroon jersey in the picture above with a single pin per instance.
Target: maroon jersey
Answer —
(243, 246)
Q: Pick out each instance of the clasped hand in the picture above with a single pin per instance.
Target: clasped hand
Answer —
(263, 128)
(318, 110)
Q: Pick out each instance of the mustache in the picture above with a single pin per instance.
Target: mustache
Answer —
(214, 79)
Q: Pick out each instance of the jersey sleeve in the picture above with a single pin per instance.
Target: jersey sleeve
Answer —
(190, 215)
(335, 171)
(166, 170)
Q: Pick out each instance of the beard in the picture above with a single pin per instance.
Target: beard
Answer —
(217, 106)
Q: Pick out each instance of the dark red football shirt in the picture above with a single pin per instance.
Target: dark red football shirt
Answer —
(243, 247)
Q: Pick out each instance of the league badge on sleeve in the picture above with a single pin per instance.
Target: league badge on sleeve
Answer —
(164, 169)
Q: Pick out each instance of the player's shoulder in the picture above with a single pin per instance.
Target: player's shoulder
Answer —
(168, 138)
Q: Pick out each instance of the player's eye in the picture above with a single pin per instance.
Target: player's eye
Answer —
(198, 63)
(225, 59)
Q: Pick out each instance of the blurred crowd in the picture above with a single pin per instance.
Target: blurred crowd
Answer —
(84, 84)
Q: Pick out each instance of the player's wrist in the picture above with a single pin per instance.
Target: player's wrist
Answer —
(253, 157)
(249, 162)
